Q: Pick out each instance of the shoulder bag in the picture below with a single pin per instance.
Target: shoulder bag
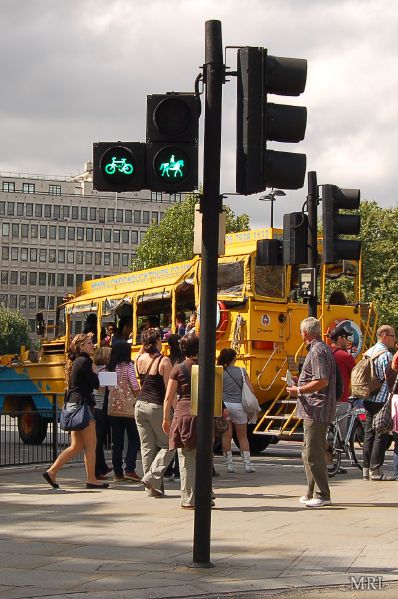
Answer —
(122, 398)
(75, 416)
(249, 401)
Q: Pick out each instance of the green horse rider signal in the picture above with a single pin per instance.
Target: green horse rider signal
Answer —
(171, 163)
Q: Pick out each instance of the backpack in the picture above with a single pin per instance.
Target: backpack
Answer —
(339, 380)
(364, 380)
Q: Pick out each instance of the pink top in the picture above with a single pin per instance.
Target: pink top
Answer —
(128, 374)
(394, 412)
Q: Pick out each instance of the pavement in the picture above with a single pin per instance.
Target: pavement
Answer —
(120, 543)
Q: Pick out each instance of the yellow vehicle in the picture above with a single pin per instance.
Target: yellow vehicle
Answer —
(258, 314)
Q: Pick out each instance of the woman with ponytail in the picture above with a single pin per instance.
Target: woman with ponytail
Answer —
(82, 379)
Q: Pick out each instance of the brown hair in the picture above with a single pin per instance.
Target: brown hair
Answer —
(150, 337)
(227, 355)
(75, 351)
(102, 356)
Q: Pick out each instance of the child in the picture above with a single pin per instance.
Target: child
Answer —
(101, 359)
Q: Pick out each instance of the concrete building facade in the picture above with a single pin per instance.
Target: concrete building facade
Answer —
(57, 232)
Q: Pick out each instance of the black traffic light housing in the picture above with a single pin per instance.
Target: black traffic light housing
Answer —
(269, 252)
(258, 121)
(335, 224)
(119, 166)
(172, 142)
(295, 238)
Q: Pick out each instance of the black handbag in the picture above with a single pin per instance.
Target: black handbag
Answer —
(75, 416)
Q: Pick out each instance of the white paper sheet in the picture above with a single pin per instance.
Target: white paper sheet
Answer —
(107, 379)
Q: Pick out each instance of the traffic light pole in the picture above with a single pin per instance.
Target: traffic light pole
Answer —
(312, 204)
(210, 206)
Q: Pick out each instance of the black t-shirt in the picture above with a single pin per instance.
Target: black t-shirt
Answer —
(83, 380)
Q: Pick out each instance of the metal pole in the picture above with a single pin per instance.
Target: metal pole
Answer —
(210, 206)
(312, 203)
(272, 211)
(55, 427)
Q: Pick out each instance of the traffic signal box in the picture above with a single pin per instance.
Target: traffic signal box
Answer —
(259, 121)
(336, 223)
(295, 238)
(119, 166)
(172, 142)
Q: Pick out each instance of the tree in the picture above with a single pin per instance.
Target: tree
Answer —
(172, 239)
(14, 331)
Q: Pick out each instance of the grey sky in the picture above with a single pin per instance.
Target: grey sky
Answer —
(78, 71)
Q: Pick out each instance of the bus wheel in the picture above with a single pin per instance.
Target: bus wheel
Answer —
(32, 427)
(257, 443)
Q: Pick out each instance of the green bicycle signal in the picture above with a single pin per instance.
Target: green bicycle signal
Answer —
(121, 165)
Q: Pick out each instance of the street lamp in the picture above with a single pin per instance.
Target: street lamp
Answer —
(270, 197)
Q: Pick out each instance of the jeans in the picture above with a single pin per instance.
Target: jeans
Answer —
(120, 426)
(101, 429)
(374, 445)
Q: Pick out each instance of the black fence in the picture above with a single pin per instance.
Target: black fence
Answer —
(33, 437)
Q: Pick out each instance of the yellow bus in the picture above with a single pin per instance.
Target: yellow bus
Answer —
(258, 314)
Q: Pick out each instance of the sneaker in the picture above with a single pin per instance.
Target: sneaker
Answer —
(378, 474)
(249, 467)
(153, 492)
(365, 473)
(317, 502)
(120, 478)
(304, 499)
(231, 468)
(132, 476)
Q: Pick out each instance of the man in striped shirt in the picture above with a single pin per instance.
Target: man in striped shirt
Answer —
(316, 405)
(375, 445)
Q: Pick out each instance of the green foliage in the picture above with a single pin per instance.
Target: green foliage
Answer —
(14, 331)
(172, 239)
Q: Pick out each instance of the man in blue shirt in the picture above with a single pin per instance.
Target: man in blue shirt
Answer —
(375, 445)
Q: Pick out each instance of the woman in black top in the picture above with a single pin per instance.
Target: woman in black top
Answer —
(82, 380)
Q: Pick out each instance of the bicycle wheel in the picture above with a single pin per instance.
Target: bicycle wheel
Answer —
(333, 452)
(357, 435)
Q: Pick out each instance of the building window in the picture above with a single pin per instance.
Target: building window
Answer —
(28, 188)
(75, 212)
(3, 300)
(89, 234)
(60, 279)
(32, 325)
(14, 254)
(71, 233)
(4, 277)
(38, 210)
(41, 304)
(10, 208)
(79, 280)
(101, 215)
(42, 255)
(8, 186)
(107, 258)
(125, 236)
(111, 215)
(60, 300)
(22, 301)
(142, 235)
(43, 231)
(32, 301)
(98, 234)
(119, 215)
(33, 278)
(80, 233)
(34, 231)
(33, 254)
(24, 231)
(2, 208)
(15, 230)
(137, 217)
(116, 236)
(116, 259)
(57, 211)
(83, 213)
(47, 210)
(145, 217)
(125, 259)
(54, 190)
(52, 230)
(5, 253)
(93, 214)
(5, 229)
(70, 280)
(161, 216)
(13, 277)
(155, 216)
(89, 257)
(20, 209)
(52, 255)
(107, 235)
(98, 258)
(51, 279)
(23, 278)
(61, 232)
(29, 209)
(61, 256)
(70, 256)
(65, 211)
(128, 216)
(51, 304)
(24, 254)
(79, 257)
(134, 236)
(13, 300)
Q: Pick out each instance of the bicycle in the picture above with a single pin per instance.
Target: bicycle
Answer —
(336, 445)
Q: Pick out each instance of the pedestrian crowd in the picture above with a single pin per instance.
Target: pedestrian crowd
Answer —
(159, 422)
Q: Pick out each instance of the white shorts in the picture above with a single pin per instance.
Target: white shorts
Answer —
(236, 413)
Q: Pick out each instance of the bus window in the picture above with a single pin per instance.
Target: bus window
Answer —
(60, 328)
(153, 311)
(230, 278)
(270, 281)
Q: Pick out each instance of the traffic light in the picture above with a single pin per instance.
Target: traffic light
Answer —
(269, 252)
(172, 142)
(295, 238)
(119, 166)
(259, 120)
(336, 224)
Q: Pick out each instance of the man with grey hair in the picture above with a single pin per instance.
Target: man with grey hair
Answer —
(375, 445)
(316, 405)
